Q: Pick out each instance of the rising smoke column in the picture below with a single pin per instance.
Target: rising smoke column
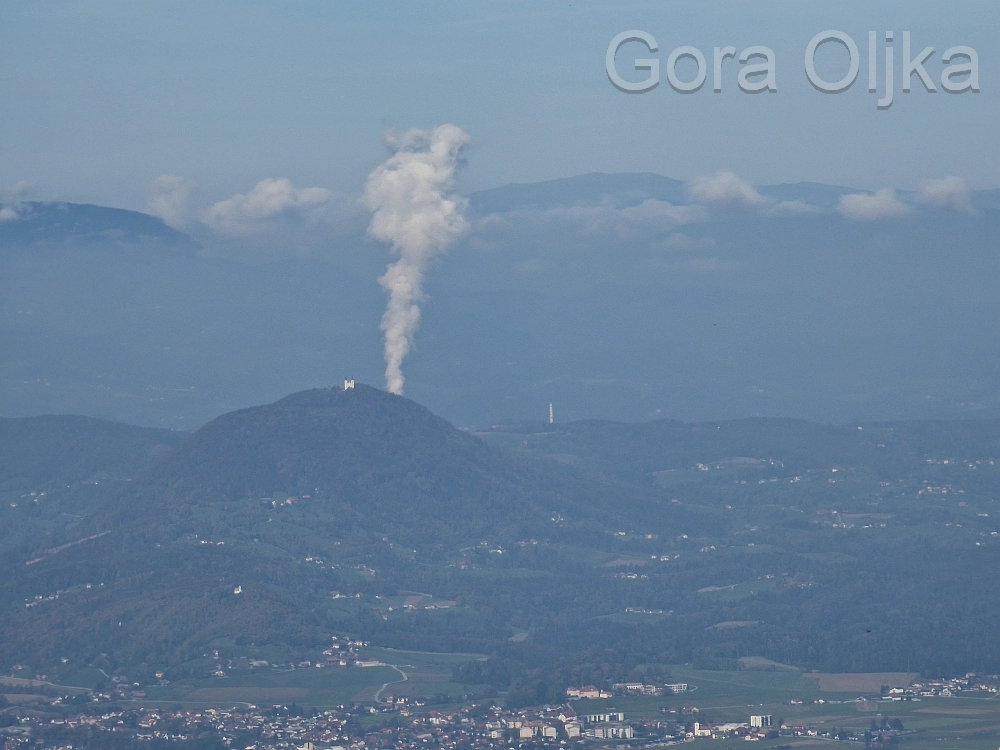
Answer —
(416, 210)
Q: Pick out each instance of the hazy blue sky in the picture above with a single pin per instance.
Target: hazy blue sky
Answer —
(100, 97)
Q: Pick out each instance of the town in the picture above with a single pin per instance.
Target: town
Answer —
(408, 722)
(357, 727)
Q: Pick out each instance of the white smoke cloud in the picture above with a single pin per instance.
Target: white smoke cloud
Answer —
(270, 199)
(7, 214)
(414, 208)
(949, 192)
(883, 204)
(726, 189)
(171, 201)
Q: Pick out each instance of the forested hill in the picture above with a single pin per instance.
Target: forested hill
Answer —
(361, 477)
(862, 547)
(49, 225)
(56, 470)
(41, 453)
(362, 458)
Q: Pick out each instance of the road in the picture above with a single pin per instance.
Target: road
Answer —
(378, 694)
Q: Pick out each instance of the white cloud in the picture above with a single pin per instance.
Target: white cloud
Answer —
(16, 193)
(949, 192)
(272, 220)
(171, 201)
(883, 204)
(19, 190)
(648, 220)
(726, 189)
(270, 201)
(660, 213)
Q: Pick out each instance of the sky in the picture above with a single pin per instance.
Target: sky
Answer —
(100, 98)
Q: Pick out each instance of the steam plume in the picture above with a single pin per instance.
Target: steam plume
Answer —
(416, 210)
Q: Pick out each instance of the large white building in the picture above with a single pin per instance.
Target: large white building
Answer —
(611, 732)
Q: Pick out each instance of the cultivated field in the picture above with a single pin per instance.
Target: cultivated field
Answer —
(426, 674)
(861, 683)
(956, 723)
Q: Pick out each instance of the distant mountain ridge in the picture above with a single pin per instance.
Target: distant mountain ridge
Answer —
(624, 189)
(43, 223)
(595, 188)
(560, 293)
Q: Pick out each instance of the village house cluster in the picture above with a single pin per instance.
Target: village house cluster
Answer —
(946, 688)
(625, 688)
(258, 729)
(351, 728)
(409, 723)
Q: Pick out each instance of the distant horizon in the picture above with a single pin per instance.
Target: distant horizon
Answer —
(101, 99)
(541, 422)
(465, 201)
(627, 296)
(9, 199)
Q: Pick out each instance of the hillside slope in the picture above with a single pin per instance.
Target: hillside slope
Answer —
(46, 225)
(361, 478)
(57, 469)
(39, 453)
(360, 512)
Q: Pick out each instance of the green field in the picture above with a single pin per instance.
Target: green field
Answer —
(330, 686)
(426, 674)
(735, 592)
(957, 723)
(722, 696)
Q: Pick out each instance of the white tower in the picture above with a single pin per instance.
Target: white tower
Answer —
(551, 414)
